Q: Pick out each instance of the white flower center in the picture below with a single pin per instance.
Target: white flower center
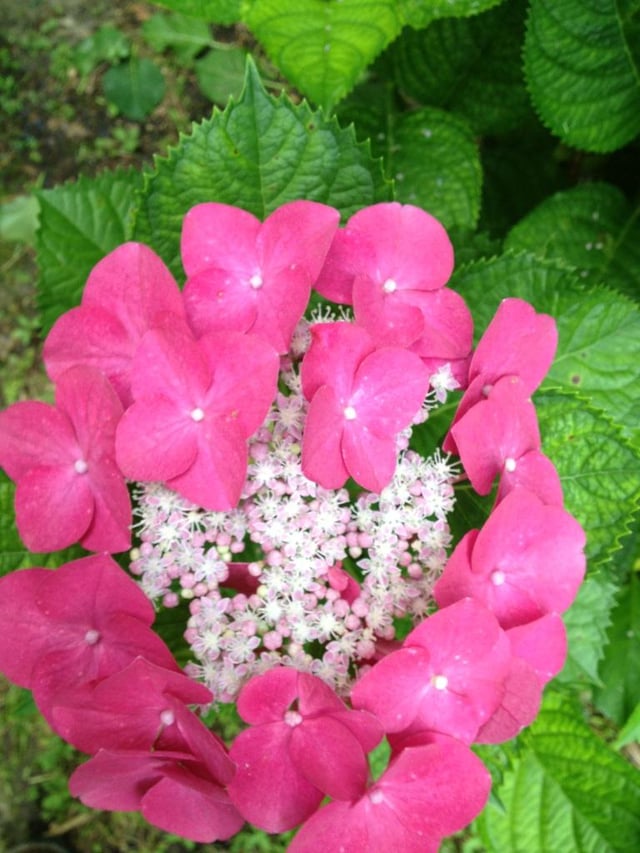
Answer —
(197, 414)
(80, 466)
(167, 717)
(497, 578)
(292, 718)
(376, 797)
(440, 682)
(510, 464)
(350, 413)
(91, 637)
(389, 286)
(256, 281)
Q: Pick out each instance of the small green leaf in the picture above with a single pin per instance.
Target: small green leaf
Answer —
(435, 162)
(79, 224)
(565, 791)
(620, 690)
(417, 13)
(471, 66)
(220, 74)
(599, 329)
(583, 69)
(323, 47)
(599, 471)
(185, 36)
(107, 44)
(136, 87)
(258, 154)
(213, 11)
(587, 621)
(19, 219)
(630, 732)
(592, 227)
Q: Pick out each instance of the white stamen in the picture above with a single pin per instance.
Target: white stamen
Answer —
(497, 578)
(80, 466)
(510, 464)
(389, 286)
(167, 717)
(376, 797)
(256, 281)
(292, 718)
(440, 682)
(91, 637)
(350, 413)
(197, 414)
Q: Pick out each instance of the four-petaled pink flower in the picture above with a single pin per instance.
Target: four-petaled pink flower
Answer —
(303, 743)
(253, 276)
(195, 405)
(62, 457)
(361, 398)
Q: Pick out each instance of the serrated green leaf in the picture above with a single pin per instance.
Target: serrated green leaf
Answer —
(599, 329)
(79, 224)
(630, 732)
(470, 66)
(213, 11)
(185, 36)
(592, 227)
(220, 74)
(323, 48)
(436, 165)
(620, 690)
(587, 621)
(566, 791)
(258, 154)
(583, 70)
(135, 87)
(600, 472)
(417, 13)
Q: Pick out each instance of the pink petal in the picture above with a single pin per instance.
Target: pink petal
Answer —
(265, 698)
(93, 407)
(218, 236)
(218, 300)
(343, 263)
(34, 434)
(388, 390)
(322, 459)
(21, 639)
(519, 706)
(268, 789)
(169, 363)
(369, 459)
(389, 321)
(110, 527)
(542, 644)
(281, 302)
(298, 233)
(336, 352)
(316, 697)
(448, 324)
(535, 472)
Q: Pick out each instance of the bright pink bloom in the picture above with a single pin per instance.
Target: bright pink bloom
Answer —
(360, 399)
(427, 793)
(127, 293)
(139, 707)
(62, 457)
(519, 706)
(518, 342)
(251, 276)
(527, 561)
(304, 743)
(78, 624)
(500, 435)
(196, 403)
(174, 791)
(448, 677)
(542, 644)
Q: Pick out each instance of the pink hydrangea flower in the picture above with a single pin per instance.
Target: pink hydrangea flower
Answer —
(361, 397)
(527, 561)
(303, 743)
(252, 276)
(426, 793)
(196, 403)
(175, 791)
(62, 457)
(448, 677)
(127, 293)
(76, 625)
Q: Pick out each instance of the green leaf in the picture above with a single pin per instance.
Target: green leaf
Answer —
(599, 471)
(599, 329)
(323, 47)
(107, 44)
(436, 165)
(185, 36)
(620, 690)
(630, 732)
(136, 87)
(220, 74)
(213, 11)
(417, 13)
(79, 224)
(258, 154)
(587, 621)
(592, 227)
(19, 219)
(471, 66)
(582, 64)
(566, 791)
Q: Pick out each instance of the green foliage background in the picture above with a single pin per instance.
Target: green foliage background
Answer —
(517, 124)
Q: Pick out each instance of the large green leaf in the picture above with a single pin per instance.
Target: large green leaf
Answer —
(214, 11)
(582, 62)
(592, 227)
(418, 13)
(436, 165)
(471, 66)
(565, 791)
(599, 329)
(257, 154)
(79, 224)
(323, 48)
